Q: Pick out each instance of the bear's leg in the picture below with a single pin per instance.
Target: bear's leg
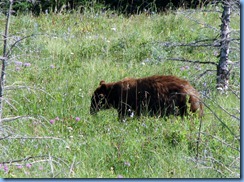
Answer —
(181, 104)
(122, 112)
(183, 110)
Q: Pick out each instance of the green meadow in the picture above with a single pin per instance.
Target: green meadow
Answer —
(53, 71)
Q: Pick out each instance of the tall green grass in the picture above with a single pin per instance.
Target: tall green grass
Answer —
(68, 57)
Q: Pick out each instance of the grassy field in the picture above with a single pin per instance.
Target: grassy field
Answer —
(52, 75)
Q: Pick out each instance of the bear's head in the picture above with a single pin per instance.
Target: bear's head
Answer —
(99, 98)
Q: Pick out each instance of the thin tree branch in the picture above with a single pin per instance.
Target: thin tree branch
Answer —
(205, 72)
(234, 92)
(221, 164)
(199, 137)
(16, 42)
(219, 119)
(33, 138)
(28, 88)
(24, 159)
(16, 117)
(231, 115)
(227, 144)
(34, 157)
(194, 43)
(23, 38)
(200, 23)
(51, 164)
(3, 58)
(71, 170)
(191, 61)
(5, 44)
(214, 42)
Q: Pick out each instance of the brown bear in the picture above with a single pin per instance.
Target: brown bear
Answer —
(154, 96)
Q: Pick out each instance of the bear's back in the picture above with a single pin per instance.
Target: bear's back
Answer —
(163, 83)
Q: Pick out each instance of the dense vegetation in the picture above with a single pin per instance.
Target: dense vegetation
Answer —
(120, 6)
(52, 74)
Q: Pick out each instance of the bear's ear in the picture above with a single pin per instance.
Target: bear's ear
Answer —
(102, 82)
(103, 86)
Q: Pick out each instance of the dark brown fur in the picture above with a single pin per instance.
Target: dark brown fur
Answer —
(154, 95)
